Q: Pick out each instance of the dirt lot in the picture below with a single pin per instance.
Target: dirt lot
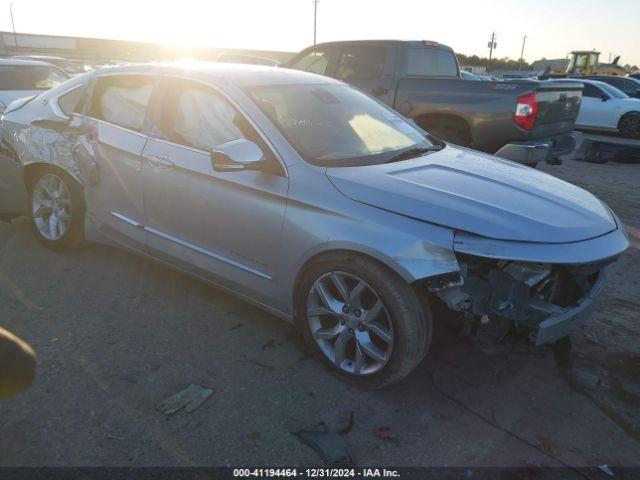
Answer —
(115, 335)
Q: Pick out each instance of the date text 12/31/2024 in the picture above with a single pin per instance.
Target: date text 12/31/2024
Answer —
(315, 473)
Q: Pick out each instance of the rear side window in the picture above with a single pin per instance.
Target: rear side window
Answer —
(315, 62)
(361, 63)
(431, 62)
(122, 100)
(591, 91)
(71, 102)
(28, 77)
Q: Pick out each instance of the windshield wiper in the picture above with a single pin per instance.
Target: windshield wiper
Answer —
(414, 152)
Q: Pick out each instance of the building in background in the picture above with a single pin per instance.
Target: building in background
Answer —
(97, 51)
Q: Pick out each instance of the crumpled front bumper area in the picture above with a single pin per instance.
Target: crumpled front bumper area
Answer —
(539, 302)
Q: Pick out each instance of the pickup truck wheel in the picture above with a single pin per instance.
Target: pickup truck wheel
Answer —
(363, 321)
(57, 209)
(629, 125)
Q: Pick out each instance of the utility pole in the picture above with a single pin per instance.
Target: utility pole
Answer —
(492, 44)
(315, 20)
(524, 39)
(13, 25)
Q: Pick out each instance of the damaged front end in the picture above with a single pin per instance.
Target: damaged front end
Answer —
(513, 301)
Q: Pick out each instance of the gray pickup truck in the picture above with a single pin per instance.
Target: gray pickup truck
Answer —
(525, 121)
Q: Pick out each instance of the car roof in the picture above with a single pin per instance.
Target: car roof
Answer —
(16, 62)
(238, 74)
(596, 77)
(408, 43)
(583, 80)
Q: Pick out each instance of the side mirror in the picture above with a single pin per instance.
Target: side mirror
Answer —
(238, 154)
(604, 97)
(58, 124)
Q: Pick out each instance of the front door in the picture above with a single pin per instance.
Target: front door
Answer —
(224, 226)
(109, 154)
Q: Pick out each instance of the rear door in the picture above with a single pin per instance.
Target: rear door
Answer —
(596, 112)
(109, 154)
(224, 226)
(368, 67)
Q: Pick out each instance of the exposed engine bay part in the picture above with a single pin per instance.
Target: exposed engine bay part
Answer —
(535, 302)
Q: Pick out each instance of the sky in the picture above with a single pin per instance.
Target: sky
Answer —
(553, 27)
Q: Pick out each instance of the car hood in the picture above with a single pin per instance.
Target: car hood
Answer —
(478, 193)
(8, 96)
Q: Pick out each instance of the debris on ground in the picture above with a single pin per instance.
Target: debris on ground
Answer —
(605, 469)
(349, 426)
(190, 398)
(331, 446)
(385, 433)
(592, 338)
(237, 326)
(269, 344)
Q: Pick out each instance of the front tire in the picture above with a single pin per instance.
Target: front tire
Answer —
(362, 320)
(57, 209)
(629, 125)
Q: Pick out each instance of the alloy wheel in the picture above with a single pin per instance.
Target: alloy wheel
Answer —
(350, 323)
(51, 206)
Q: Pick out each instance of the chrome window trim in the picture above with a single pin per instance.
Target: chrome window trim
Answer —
(235, 105)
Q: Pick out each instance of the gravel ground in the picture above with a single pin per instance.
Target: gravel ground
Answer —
(116, 334)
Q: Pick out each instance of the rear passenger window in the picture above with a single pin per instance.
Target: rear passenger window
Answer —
(431, 62)
(122, 100)
(70, 102)
(361, 63)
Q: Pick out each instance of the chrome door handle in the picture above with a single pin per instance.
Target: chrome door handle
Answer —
(160, 161)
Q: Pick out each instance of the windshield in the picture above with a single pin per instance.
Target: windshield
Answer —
(337, 125)
(28, 77)
(611, 90)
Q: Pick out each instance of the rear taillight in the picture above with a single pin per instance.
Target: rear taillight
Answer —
(526, 111)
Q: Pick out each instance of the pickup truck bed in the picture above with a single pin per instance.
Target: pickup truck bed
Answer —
(526, 121)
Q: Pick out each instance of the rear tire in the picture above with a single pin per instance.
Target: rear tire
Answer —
(629, 125)
(381, 343)
(56, 209)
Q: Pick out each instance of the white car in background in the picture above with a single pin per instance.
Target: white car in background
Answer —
(607, 109)
(26, 78)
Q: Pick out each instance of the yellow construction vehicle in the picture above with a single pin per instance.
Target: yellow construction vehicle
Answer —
(585, 62)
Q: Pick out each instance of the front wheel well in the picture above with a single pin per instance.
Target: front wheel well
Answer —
(338, 254)
(32, 170)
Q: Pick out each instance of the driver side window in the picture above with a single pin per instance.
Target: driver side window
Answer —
(196, 116)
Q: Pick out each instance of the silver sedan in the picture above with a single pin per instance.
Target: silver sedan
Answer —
(312, 200)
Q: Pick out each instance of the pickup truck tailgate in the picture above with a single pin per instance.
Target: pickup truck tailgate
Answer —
(558, 107)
